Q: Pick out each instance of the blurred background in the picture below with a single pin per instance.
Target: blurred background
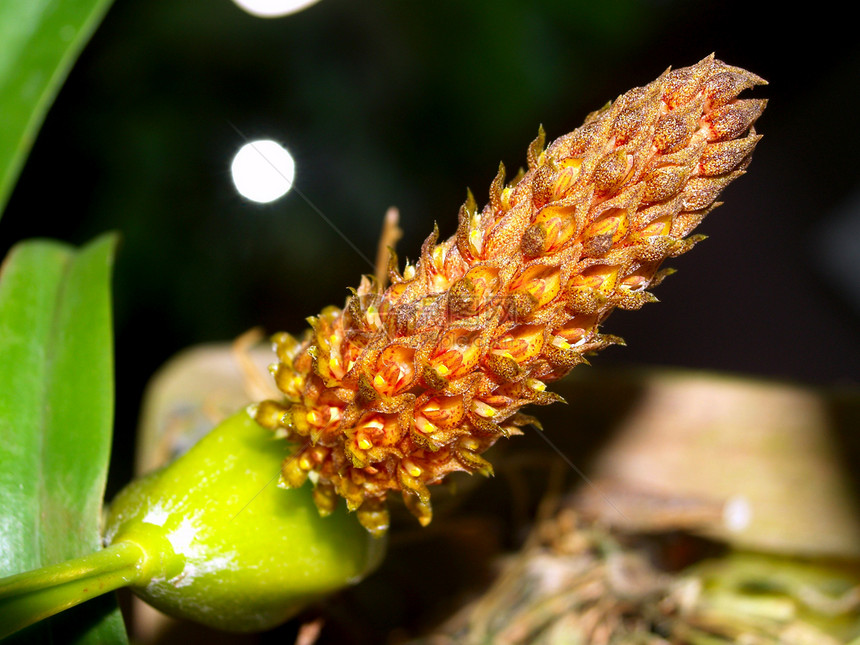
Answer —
(394, 102)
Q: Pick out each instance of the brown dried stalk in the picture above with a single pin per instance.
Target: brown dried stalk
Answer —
(400, 388)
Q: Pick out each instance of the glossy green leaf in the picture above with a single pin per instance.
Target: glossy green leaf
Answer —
(56, 416)
(39, 42)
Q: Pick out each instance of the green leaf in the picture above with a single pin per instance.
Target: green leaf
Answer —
(56, 414)
(39, 42)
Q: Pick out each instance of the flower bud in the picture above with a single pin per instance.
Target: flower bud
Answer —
(225, 545)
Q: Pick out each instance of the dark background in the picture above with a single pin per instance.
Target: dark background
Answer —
(405, 103)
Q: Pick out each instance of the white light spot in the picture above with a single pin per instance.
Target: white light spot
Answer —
(263, 171)
(737, 513)
(156, 515)
(203, 566)
(182, 536)
(273, 8)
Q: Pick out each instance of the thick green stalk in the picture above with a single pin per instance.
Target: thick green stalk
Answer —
(29, 597)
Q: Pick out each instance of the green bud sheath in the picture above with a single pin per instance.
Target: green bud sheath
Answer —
(225, 546)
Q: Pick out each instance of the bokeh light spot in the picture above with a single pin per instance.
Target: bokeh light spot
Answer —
(263, 171)
(273, 8)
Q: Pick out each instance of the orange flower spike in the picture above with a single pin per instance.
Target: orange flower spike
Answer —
(541, 283)
(442, 412)
(553, 226)
(405, 386)
(394, 370)
(473, 292)
(457, 354)
(520, 344)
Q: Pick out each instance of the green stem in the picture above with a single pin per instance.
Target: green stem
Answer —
(29, 597)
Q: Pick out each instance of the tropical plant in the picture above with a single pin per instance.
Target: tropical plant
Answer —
(392, 393)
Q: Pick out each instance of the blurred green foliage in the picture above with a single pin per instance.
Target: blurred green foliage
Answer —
(40, 39)
(56, 418)
(56, 341)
